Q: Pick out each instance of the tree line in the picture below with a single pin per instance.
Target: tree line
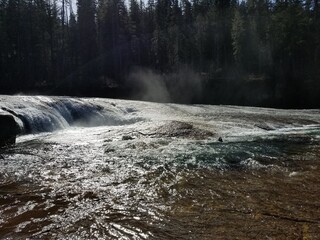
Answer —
(254, 52)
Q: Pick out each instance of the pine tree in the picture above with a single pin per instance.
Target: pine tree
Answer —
(88, 43)
(238, 38)
(135, 32)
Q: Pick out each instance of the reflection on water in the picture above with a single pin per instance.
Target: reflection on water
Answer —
(161, 188)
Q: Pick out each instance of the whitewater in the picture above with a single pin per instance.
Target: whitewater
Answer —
(92, 168)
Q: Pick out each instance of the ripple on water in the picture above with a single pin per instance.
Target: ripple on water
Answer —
(159, 187)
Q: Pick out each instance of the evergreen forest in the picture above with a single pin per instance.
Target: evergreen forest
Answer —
(253, 52)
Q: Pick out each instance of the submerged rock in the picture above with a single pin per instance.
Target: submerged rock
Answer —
(8, 129)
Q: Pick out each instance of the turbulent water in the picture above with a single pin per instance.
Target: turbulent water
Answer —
(115, 169)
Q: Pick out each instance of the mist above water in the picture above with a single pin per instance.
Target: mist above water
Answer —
(183, 86)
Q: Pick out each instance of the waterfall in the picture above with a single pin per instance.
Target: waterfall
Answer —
(36, 114)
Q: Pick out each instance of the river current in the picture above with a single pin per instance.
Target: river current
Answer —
(117, 169)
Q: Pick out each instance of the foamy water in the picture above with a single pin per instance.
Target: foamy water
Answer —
(116, 169)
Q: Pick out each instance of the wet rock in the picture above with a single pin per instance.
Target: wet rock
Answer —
(109, 149)
(182, 129)
(126, 137)
(8, 129)
(264, 126)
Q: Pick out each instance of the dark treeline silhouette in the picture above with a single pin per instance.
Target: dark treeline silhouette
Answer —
(254, 52)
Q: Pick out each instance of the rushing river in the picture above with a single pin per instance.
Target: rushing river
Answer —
(116, 169)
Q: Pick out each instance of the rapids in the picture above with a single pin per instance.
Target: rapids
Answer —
(117, 169)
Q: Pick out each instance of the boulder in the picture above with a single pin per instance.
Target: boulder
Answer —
(183, 130)
(8, 129)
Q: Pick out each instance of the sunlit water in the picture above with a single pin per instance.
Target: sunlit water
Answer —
(111, 169)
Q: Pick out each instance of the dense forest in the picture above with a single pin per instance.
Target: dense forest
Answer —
(254, 52)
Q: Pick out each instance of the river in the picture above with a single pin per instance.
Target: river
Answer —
(91, 168)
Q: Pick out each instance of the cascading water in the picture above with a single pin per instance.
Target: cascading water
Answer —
(44, 114)
(116, 169)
